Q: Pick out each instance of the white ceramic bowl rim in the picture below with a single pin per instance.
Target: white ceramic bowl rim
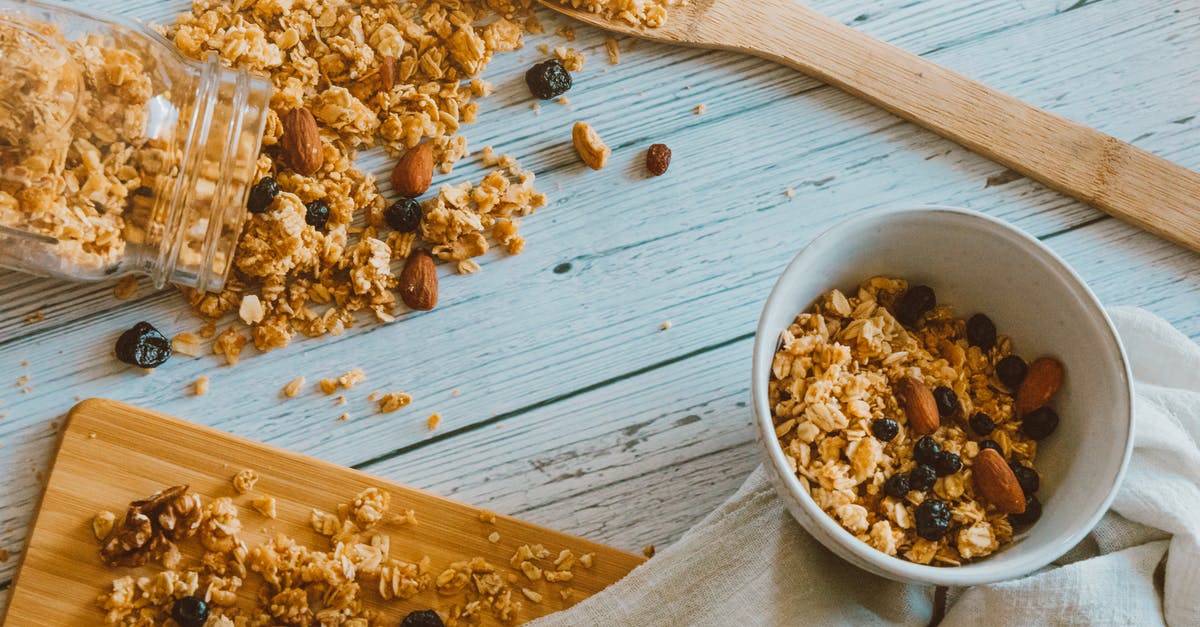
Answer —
(972, 573)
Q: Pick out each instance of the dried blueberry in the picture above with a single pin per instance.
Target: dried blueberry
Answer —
(933, 519)
(992, 445)
(947, 401)
(1011, 371)
(190, 612)
(922, 477)
(316, 213)
(422, 618)
(1039, 423)
(982, 424)
(885, 429)
(1026, 477)
(914, 303)
(262, 195)
(143, 346)
(896, 486)
(404, 215)
(1033, 511)
(947, 463)
(548, 79)
(926, 450)
(981, 332)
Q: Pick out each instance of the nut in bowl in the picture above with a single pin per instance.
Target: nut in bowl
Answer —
(910, 371)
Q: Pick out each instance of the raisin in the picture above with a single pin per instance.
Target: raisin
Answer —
(885, 429)
(658, 159)
(262, 195)
(422, 618)
(316, 213)
(548, 79)
(1027, 477)
(933, 519)
(982, 424)
(947, 401)
(981, 332)
(190, 612)
(992, 445)
(922, 477)
(896, 486)
(143, 346)
(404, 215)
(1033, 511)
(1039, 423)
(926, 450)
(947, 463)
(1011, 371)
(914, 303)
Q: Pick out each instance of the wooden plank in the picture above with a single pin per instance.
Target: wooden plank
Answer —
(113, 453)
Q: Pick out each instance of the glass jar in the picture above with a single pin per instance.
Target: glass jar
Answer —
(117, 154)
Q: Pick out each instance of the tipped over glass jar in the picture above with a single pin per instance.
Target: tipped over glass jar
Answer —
(117, 154)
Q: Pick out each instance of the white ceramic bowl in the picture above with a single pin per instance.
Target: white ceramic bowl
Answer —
(976, 264)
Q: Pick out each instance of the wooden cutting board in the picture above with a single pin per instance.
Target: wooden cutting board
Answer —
(112, 453)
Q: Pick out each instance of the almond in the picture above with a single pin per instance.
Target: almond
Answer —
(919, 404)
(387, 72)
(301, 142)
(419, 281)
(997, 483)
(414, 171)
(1042, 380)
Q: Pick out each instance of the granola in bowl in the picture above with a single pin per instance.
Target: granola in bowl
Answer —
(915, 430)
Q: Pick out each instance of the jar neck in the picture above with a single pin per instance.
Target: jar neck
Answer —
(200, 212)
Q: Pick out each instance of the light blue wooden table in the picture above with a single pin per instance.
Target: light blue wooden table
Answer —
(574, 410)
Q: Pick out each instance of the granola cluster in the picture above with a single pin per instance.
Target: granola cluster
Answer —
(833, 375)
(648, 13)
(373, 73)
(77, 164)
(294, 584)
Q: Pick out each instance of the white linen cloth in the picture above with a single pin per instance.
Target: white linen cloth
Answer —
(749, 563)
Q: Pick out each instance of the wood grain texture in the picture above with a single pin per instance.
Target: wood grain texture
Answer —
(112, 453)
(560, 347)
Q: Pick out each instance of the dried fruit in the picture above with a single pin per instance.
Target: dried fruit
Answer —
(981, 332)
(885, 429)
(947, 463)
(143, 346)
(590, 147)
(990, 444)
(419, 281)
(422, 618)
(1011, 371)
(896, 486)
(997, 483)
(919, 404)
(982, 424)
(301, 142)
(404, 215)
(947, 401)
(262, 195)
(190, 612)
(658, 159)
(387, 72)
(922, 477)
(933, 519)
(913, 304)
(414, 171)
(1033, 511)
(316, 214)
(1027, 478)
(1043, 379)
(925, 450)
(548, 79)
(1039, 423)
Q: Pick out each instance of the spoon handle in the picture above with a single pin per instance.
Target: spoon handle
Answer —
(1114, 176)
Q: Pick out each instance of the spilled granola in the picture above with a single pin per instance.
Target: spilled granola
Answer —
(835, 376)
(648, 13)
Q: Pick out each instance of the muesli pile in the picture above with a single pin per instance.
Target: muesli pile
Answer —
(284, 582)
(648, 13)
(915, 430)
(349, 76)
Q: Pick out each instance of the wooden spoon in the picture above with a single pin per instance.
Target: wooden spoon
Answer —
(1103, 171)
